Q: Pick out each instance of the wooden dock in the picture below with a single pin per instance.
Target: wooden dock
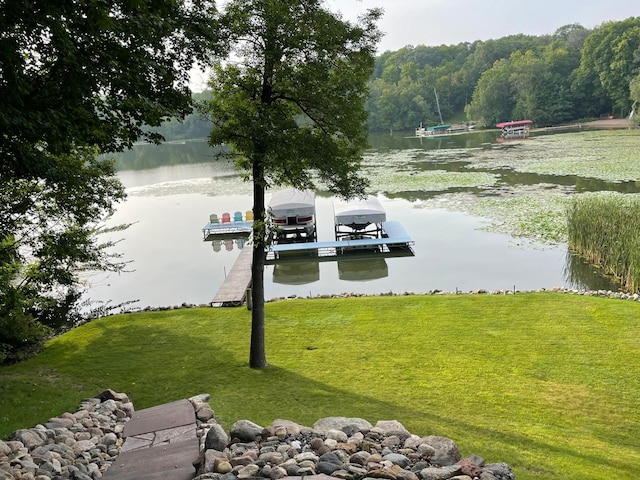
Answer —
(233, 291)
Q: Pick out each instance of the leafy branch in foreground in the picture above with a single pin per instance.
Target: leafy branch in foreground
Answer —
(48, 237)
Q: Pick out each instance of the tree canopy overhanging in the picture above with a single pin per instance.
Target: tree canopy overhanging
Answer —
(78, 78)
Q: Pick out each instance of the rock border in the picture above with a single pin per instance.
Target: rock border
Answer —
(339, 447)
(73, 446)
(84, 444)
(586, 293)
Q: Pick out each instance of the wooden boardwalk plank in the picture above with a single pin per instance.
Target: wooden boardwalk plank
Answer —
(167, 462)
(162, 417)
(234, 288)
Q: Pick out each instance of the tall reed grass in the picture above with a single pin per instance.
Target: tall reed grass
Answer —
(604, 228)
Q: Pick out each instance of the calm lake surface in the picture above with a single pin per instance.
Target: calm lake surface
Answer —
(174, 187)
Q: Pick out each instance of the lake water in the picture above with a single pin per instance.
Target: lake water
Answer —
(171, 264)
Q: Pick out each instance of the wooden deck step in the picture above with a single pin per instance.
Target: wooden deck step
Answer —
(162, 417)
(166, 462)
(233, 290)
(161, 443)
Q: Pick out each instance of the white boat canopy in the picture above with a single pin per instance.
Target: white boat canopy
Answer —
(359, 211)
(292, 202)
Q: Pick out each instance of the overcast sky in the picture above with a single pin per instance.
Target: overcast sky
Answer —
(438, 22)
(448, 22)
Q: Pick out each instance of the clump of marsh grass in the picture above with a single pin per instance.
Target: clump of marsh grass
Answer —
(604, 228)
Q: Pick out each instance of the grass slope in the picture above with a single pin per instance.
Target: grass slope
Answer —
(545, 382)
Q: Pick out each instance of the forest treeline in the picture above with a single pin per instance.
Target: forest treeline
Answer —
(550, 79)
(576, 73)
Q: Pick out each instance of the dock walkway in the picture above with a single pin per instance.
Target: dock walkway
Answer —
(233, 290)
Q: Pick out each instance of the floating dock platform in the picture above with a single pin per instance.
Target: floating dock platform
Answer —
(212, 231)
(395, 238)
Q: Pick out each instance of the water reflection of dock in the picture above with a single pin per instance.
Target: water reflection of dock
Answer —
(369, 252)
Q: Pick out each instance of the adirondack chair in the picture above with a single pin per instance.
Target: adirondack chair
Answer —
(237, 217)
(213, 218)
(248, 215)
(226, 218)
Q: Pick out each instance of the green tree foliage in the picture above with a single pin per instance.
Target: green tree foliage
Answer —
(92, 73)
(403, 83)
(493, 99)
(486, 54)
(574, 73)
(77, 78)
(634, 90)
(193, 126)
(610, 60)
(49, 237)
(291, 105)
(533, 85)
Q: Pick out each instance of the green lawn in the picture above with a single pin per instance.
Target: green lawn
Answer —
(548, 383)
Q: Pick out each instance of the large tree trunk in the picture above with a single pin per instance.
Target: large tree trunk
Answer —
(257, 355)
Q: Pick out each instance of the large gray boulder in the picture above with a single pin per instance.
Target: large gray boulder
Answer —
(392, 427)
(501, 471)
(216, 438)
(340, 423)
(446, 451)
(245, 431)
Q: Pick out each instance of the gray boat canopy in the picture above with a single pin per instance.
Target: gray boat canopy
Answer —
(359, 211)
(292, 202)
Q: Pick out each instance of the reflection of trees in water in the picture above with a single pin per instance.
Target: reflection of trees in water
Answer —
(404, 140)
(143, 157)
(581, 274)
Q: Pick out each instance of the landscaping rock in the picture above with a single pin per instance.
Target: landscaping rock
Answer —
(469, 467)
(392, 427)
(77, 446)
(500, 471)
(446, 451)
(439, 473)
(386, 451)
(216, 438)
(82, 445)
(245, 431)
(341, 423)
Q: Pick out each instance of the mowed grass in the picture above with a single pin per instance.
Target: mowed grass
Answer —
(546, 382)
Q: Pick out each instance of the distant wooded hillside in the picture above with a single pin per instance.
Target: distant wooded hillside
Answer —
(551, 79)
(193, 126)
